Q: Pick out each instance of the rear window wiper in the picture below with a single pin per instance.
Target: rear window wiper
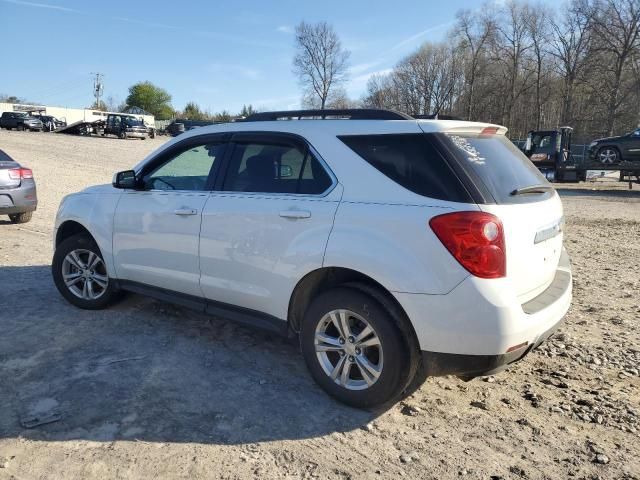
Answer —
(532, 189)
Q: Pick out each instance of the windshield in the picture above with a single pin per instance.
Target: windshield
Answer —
(497, 163)
(132, 122)
(543, 143)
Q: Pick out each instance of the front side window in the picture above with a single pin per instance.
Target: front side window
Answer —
(268, 168)
(187, 170)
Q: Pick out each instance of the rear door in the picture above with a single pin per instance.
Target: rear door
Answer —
(268, 222)
(157, 227)
(533, 221)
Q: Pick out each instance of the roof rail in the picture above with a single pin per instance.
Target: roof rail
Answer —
(435, 116)
(335, 114)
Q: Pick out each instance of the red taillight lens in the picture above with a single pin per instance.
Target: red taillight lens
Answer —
(20, 173)
(475, 239)
(489, 131)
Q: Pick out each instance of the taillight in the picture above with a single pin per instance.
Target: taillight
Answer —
(20, 173)
(489, 131)
(475, 239)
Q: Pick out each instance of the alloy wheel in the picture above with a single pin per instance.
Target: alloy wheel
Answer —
(348, 349)
(608, 156)
(85, 274)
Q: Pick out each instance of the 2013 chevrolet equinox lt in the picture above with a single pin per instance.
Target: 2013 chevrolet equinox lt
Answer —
(394, 248)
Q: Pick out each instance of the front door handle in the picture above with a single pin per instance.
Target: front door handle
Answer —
(295, 214)
(185, 211)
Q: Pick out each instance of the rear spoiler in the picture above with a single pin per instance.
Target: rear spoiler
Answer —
(479, 129)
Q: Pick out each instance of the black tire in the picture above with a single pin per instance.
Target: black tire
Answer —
(20, 128)
(397, 368)
(122, 136)
(20, 217)
(85, 243)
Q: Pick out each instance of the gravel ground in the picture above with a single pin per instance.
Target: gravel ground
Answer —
(147, 389)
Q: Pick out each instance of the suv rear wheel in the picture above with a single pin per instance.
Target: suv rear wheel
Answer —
(80, 274)
(354, 348)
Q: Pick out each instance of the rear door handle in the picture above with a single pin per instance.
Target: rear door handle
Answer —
(186, 211)
(295, 214)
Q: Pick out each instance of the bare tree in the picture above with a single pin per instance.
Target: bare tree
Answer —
(510, 47)
(320, 62)
(537, 24)
(475, 33)
(617, 26)
(570, 46)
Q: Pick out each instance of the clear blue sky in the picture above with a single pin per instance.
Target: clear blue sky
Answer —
(220, 54)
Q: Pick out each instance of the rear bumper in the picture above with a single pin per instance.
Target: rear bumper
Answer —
(136, 134)
(18, 200)
(439, 364)
(480, 327)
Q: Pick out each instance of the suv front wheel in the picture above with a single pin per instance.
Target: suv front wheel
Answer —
(354, 348)
(80, 273)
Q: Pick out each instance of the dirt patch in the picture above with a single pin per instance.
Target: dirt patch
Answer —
(147, 389)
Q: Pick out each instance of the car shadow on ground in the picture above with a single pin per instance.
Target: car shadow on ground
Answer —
(146, 370)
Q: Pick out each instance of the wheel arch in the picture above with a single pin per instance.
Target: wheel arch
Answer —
(325, 278)
(68, 229)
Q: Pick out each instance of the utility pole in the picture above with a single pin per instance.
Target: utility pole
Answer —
(98, 87)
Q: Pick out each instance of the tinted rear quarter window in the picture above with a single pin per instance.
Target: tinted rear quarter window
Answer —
(412, 161)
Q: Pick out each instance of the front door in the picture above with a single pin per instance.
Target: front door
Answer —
(268, 223)
(157, 228)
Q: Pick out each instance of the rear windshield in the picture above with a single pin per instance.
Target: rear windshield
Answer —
(497, 163)
(412, 161)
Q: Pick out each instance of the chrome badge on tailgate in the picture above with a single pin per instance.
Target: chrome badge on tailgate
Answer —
(550, 231)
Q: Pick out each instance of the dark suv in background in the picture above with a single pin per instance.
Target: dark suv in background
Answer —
(611, 150)
(125, 126)
(19, 121)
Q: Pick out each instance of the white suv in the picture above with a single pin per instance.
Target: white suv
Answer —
(394, 248)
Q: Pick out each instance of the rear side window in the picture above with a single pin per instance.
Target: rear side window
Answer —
(412, 161)
(269, 168)
(498, 164)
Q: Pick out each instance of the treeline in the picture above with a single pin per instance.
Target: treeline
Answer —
(527, 66)
(192, 111)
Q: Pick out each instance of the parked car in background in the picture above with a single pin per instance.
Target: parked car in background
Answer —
(51, 123)
(393, 250)
(181, 125)
(613, 150)
(18, 197)
(19, 121)
(125, 126)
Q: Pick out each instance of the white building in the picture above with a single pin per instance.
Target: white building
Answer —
(70, 115)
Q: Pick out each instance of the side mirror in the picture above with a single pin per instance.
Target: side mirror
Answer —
(125, 179)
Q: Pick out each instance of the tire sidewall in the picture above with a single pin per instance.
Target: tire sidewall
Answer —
(66, 246)
(394, 376)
